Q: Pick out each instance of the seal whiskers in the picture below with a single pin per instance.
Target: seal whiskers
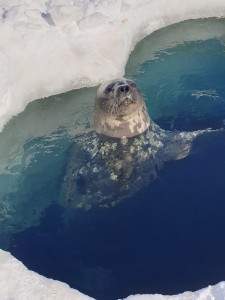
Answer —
(120, 110)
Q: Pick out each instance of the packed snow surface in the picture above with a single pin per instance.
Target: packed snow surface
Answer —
(17, 282)
(49, 47)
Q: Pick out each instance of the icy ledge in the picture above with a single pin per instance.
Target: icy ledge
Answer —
(215, 292)
(17, 282)
(49, 47)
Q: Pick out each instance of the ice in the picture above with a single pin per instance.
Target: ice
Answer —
(17, 282)
(62, 14)
(49, 47)
(215, 292)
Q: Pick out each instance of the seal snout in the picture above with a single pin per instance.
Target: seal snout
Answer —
(125, 95)
(125, 89)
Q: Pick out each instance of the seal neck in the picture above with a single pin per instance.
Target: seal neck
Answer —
(128, 126)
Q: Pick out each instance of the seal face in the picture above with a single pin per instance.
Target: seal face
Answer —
(120, 109)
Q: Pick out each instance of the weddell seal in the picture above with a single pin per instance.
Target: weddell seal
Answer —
(122, 152)
(120, 110)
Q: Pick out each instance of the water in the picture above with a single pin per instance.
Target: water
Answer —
(165, 239)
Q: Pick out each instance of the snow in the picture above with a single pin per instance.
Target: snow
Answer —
(215, 292)
(18, 283)
(49, 47)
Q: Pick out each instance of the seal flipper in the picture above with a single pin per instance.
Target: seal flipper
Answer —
(178, 145)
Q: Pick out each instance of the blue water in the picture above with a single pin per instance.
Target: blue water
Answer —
(167, 238)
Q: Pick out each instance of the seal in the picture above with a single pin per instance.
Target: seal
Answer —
(120, 110)
(122, 152)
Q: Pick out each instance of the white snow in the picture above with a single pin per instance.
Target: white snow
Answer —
(215, 292)
(18, 283)
(49, 47)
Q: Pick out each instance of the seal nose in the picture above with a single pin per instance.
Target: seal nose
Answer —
(124, 89)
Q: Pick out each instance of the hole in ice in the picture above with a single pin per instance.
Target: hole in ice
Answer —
(166, 237)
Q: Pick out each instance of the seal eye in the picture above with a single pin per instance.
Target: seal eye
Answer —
(133, 85)
(109, 88)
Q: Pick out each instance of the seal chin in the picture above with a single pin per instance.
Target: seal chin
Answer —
(120, 110)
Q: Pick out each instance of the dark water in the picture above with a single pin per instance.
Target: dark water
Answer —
(167, 238)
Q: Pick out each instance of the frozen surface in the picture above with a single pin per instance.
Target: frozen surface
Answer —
(49, 47)
(215, 292)
(17, 282)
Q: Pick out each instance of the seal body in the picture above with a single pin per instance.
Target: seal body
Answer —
(101, 171)
(123, 151)
(120, 110)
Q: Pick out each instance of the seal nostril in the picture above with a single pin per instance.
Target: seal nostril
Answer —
(124, 89)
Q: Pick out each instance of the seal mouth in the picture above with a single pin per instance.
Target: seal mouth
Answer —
(128, 100)
(121, 106)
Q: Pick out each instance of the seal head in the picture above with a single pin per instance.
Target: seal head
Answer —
(120, 109)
